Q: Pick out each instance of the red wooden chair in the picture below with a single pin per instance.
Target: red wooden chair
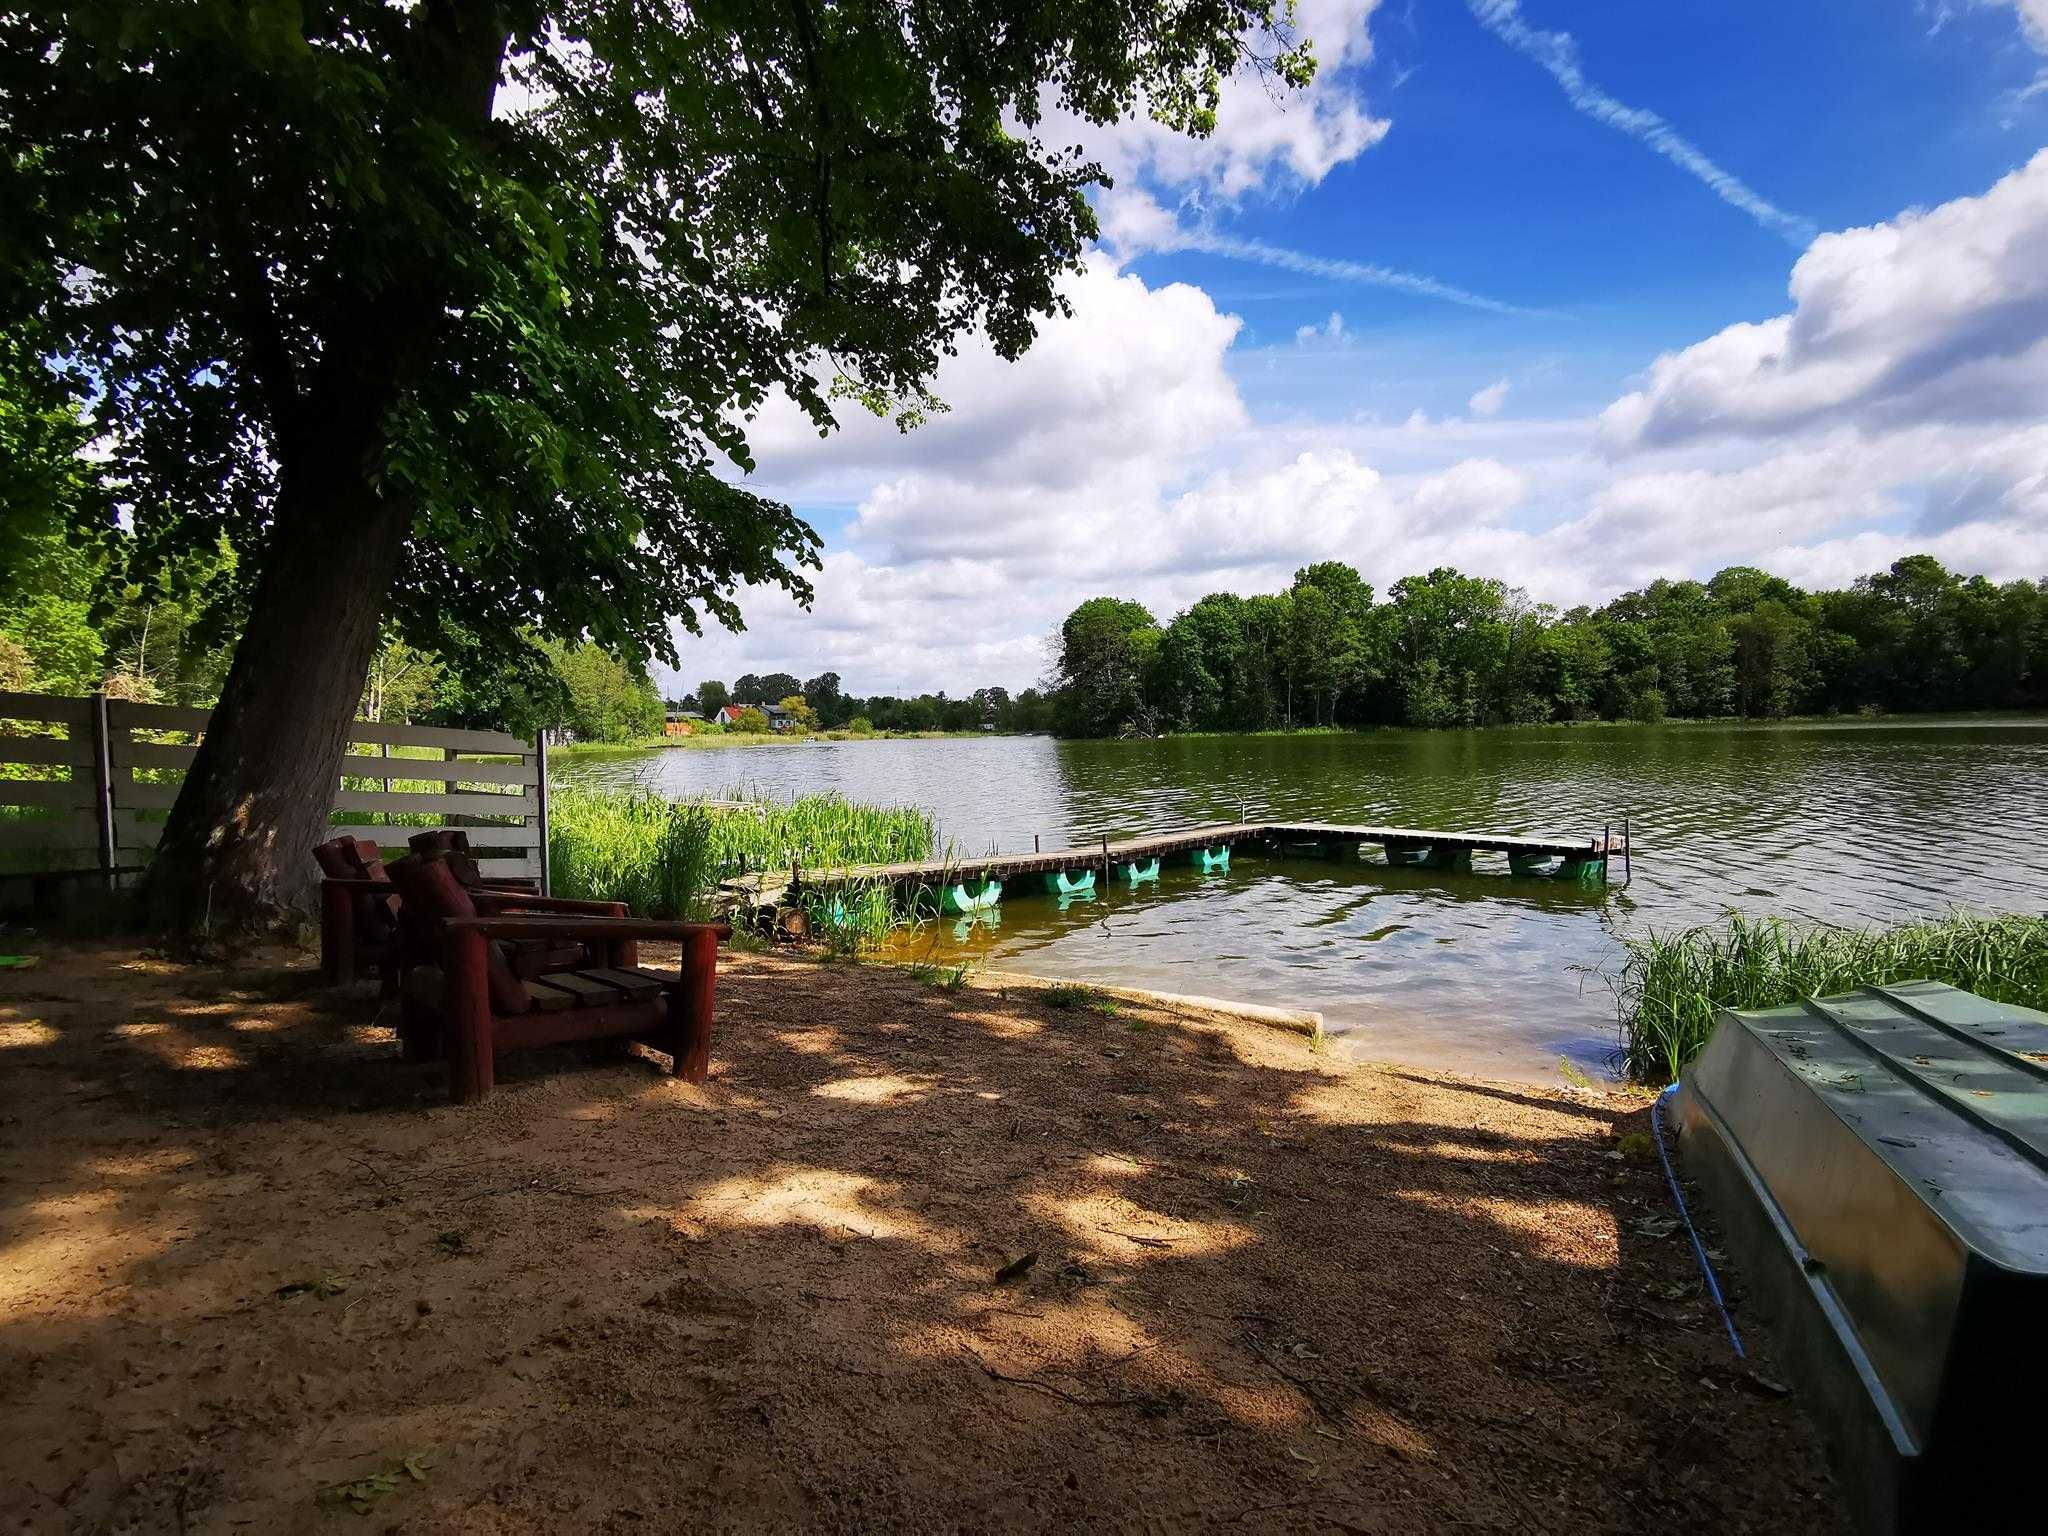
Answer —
(362, 923)
(452, 843)
(358, 912)
(472, 1003)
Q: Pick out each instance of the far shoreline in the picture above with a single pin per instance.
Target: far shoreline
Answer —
(2013, 719)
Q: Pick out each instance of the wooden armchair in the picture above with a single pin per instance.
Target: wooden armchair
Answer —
(469, 1001)
(362, 917)
(358, 912)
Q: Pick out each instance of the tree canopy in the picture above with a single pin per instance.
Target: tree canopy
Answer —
(1448, 649)
(584, 242)
(453, 315)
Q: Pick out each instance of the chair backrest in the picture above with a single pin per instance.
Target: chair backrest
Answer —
(432, 895)
(451, 844)
(352, 858)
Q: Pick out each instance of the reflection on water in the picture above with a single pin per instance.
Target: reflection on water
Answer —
(1851, 823)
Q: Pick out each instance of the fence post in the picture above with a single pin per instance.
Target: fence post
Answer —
(103, 788)
(540, 759)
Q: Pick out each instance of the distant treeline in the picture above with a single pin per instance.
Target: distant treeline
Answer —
(834, 709)
(1448, 649)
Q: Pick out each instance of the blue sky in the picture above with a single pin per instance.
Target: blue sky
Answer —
(1416, 316)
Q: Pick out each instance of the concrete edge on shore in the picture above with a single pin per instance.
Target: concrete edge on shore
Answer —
(1298, 1021)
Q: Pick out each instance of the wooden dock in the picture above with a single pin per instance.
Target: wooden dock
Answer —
(1581, 858)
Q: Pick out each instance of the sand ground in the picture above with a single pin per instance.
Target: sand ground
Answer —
(257, 1274)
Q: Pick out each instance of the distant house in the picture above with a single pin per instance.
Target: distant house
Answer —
(677, 721)
(779, 719)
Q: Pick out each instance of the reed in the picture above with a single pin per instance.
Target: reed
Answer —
(664, 858)
(854, 919)
(1671, 986)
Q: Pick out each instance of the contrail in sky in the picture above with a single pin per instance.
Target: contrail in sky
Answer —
(1338, 269)
(1558, 54)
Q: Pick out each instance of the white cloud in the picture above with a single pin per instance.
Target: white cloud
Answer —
(1488, 401)
(1559, 56)
(1330, 331)
(2033, 18)
(1899, 407)
(1932, 316)
(1266, 135)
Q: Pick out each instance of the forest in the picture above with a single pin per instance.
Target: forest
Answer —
(1448, 649)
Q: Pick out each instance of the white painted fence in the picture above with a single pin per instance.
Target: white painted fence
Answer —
(95, 776)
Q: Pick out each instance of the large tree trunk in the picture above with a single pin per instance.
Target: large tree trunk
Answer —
(238, 847)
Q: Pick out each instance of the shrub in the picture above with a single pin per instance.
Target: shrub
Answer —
(752, 721)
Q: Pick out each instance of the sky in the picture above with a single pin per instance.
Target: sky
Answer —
(1573, 295)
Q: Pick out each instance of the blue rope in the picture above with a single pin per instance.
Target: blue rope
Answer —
(1699, 1249)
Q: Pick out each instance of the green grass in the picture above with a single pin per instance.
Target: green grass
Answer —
(1671, 985)
(947, 978)
(664, 858)
(1071, 994)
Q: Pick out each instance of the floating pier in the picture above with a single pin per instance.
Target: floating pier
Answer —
(1582, 860)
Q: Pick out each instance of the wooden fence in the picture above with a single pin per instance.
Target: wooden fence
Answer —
(85, 784)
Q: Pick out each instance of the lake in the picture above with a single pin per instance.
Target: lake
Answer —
(1484, 973)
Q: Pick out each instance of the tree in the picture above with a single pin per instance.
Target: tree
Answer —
(832, 706)
(426, 354)
(1333, 634)
(754, 689)
(607, 700)
(1450, 638)
(401, 685)
(1104, 647)
(711, 698)
(751, 721)
(799, 709)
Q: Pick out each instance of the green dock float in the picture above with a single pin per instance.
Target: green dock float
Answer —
(1062, 884)
(1136, 873)
(1213, 861)
(1441, 856)
(1406, 855)
(956, 898)
(1533, 864)
(1590, 870)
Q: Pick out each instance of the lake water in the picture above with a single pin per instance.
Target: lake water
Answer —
(1848, 823)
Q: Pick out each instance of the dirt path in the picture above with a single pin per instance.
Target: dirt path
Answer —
(250, 1265)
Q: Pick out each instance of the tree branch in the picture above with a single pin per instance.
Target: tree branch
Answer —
(821, 154)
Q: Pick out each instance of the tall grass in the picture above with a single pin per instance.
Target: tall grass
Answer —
(1671, 985)
(665, 859)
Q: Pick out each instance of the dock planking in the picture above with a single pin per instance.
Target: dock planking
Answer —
(773, 888)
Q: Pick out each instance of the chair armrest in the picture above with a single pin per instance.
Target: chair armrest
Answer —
(581, 927)
(498, 903)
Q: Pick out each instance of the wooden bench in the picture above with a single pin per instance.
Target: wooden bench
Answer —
(467, 997)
